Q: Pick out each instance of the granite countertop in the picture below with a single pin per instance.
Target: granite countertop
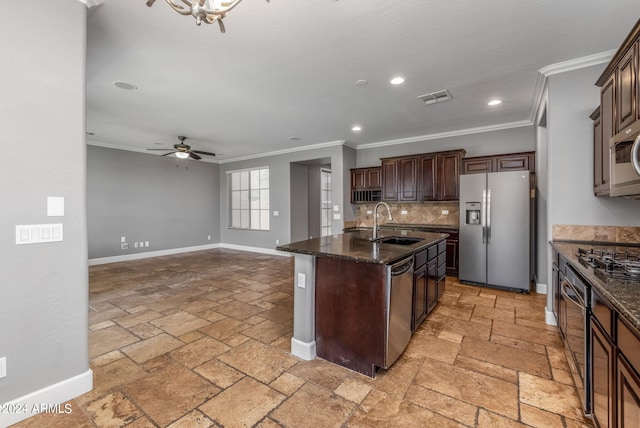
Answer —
(355, 246)
(623, 295)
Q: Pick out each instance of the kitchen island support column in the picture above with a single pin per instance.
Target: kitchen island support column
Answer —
(303, 342)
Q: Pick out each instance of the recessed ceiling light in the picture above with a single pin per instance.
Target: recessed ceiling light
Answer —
(397, 80)
(494, 102)
(356, 128)
(125, 85)
(361, 82)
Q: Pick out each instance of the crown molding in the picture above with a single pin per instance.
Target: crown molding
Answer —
(575, 64)
(91, 3)
(286, 151)
(449, 134)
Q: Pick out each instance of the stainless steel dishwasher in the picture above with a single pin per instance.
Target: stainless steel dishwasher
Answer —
(399, 305)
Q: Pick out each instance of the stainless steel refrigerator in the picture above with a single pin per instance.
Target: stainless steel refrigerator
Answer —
(494, 240)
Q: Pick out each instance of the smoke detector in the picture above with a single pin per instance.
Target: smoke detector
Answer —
(436, 97)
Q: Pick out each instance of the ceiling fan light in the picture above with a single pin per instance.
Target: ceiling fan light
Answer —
(182, 155)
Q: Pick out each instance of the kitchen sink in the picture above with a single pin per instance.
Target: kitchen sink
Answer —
(399, 240)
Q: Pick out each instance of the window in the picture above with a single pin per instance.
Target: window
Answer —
(249, 199)
(325, 202)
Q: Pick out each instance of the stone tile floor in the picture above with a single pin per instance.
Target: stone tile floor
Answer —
(202, 340)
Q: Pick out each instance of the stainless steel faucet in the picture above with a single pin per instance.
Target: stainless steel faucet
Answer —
(375, 219)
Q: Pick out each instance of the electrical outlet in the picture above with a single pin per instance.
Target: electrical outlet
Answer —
(3, 367)
(404, 212)
(209, 238)
(124, 246)
(277, 241)
(369, 212)
(123, 239)
(445, 212)
(135, 245)
(301, 280)
(146, 243)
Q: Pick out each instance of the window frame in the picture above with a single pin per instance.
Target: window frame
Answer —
(254, 195)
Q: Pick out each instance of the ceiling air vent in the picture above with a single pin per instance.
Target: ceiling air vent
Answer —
(436, 97)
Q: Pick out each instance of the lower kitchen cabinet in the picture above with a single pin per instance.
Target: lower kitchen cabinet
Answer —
(602, 376)
(420, 285)
(615, 361)
(428, 282)
(432, 284)
(628, 395)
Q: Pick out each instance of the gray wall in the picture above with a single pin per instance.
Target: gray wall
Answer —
(280, 196)
(568, 147)
(44, 304)
(572, 97)
(299, 202)
(169, 202)
(485, 143)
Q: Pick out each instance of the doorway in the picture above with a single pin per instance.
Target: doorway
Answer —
(311, 206)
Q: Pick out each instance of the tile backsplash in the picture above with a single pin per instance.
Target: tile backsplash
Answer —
(416, 213)
(626, 234)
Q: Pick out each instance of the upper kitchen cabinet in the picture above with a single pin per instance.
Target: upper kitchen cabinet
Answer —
(626, 88)
(499, 163)
(366, 184)
(439, 176)
(423, 177)
(619, 106)
(399, 179)
(602, 131)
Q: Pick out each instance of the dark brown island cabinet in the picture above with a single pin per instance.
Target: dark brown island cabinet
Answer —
(352, 307)
(619, 106)
(428, 281)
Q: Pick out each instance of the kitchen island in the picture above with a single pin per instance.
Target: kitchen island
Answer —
(357, 302)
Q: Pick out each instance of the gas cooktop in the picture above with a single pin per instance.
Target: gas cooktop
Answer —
(612, 263)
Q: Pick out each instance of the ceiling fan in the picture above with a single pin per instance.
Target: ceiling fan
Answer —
(183, 151)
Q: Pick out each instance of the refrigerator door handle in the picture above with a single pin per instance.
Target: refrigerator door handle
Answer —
(483, 216)
(489, 216)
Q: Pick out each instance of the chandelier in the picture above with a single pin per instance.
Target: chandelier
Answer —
(207, 11)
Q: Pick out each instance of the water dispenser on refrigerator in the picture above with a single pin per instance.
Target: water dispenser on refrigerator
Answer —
(472, 210)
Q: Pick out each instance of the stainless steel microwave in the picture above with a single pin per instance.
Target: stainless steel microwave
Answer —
(625, 162)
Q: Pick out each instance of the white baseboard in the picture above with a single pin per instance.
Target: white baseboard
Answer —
(48, 399)
(541, 288)
(304, 350)
(256, 250)
(550, 318)
(149, 254)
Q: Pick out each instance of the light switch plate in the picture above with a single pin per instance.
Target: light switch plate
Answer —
(55, 206)
(301, 280)
(38, 233)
